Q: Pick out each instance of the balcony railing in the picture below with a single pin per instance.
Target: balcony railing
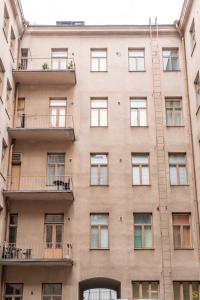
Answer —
(40, 183)
(43, 121)
(45, 64)
(37, 251)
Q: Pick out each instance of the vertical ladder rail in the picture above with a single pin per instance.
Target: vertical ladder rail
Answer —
(161, 161)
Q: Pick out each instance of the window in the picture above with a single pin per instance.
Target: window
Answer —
(12, 42)
(59, 59)
(181, 231)
(2, 70)
(54, 230)
(6, 21)
(12, 235)
(3, 157)
(197, 89)
(13, 291)
(99, 169)
(98, 60)
(177, 169)
(8, 97)
(136, 60)
(58, 109)
(56, 167)
(24, 59)
(186, 290)
(143, 231)
(145, 289)
(99, 294)
(52, 291)
(192, 35)
(138, 112)
(173, 112)
(99, 112)
(20, 121)
(140, 169)
(99, 231)
(170, 60)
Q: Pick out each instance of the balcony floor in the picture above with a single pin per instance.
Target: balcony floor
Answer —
(37, 262)
(44, 134)
(41, 195)
(41, 77)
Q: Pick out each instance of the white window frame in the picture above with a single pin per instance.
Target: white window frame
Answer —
(99, 60)
(136, 58)
(99, 110)
(138, 110)
(140, 166)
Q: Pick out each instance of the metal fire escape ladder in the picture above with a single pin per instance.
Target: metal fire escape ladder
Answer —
(161, 160)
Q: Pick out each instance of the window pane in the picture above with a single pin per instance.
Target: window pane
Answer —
(138, 103)
(132, 64)
(99, 219)
(134, 121)
(154, 290)
(136, 53)
(13, 219)
(59, 53)
(138, 237)
(58, 102)
(145, 175)
(177, 158)
(177, 237)
(53, 218)
(140, 159)
(176, 291)
(169, 117)
(183, 175)
(13, 289)
(94, 117)
(140, 64)
(142, 219)
(94, 237)
(173, 175)
(95, 64)
(136, 286)
(99, 159)
(166, 64)
(52, 289)
(147, 237)
(103, 176)
(56, 158)
(145, 290)
(186, 290)
(178, 118)
(175, 64)
(181, 219)
(103, 64)
(94, 175)
(99, 53)
(12, 235)
(58, 236)
(100, 103)
(53, 117)
(62, 117)
(136, 175)
(51, 174)
(104, 237)
(49, 236)
(103, 117)
(143, 117)
(195, 291)
(186, 237)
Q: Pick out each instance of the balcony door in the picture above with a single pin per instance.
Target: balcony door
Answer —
(20, 116)
(54, 236)
(59, 59)
(15, 178)
(58, 113)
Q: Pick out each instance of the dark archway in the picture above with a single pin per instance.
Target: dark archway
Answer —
(111, 285)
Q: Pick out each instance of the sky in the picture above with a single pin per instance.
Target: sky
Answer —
(101, 11)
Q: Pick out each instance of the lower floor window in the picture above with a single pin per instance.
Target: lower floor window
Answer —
(99, 294)
(52, 291)
(13, 291)
(146, 289)
(186, 290)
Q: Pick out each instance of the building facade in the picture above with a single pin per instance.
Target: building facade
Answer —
(99, 160)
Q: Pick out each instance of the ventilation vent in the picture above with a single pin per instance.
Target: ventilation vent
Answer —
(16, 158)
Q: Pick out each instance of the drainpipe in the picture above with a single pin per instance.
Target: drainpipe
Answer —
(26, 24)
(190, 129)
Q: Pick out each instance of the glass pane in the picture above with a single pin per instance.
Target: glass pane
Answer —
(58, 102)
(145, 175)
(103, 176)
(103, 64)
(145, 290)
(99, 103)
(176, 291)
(175, 64)
(60, 173)
(181, 219)
(12, 235)
(142, 219)
(166, 64)
(94, 175)
(99, 219)
(95, 64)
(136, 175)
(178, 117)
(177, 237)
(138, 237)
(195, 291)
(99, 159)
(177, 158)
(173, 175)
(55, 64)
(138, 103)
(132, 64)
(52, 289)
(140, 159)
(169, 117)
(13, 289)
(13, 219)
(147, 237)
(51, 175)
(53, 117)
(136, 286)
(49, 236)
(56, 158)
(59, 53)
(104, 237)
(103, 117)
(58, 236)
(52, 218)
(99, 53)
(136, 53)
(62, 117)
(143, 117)
(134, 120)
(186, 290)
(182, 175)
(154, 290)
(94, 117)
(140, 64)
(186, 237)
(94, 237)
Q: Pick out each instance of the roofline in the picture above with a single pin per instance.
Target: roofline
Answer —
(21, 9)
(185, 13)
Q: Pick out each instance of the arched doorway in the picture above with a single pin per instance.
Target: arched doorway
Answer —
(99, 289)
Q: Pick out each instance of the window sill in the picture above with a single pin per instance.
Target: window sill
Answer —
(132, 126)
(143, 71)
(144, 249)
(183, 249)
(175, 126)
(91, 249)
(98, 71)
(193, 49)
(178, 185)
(99, 185)
(98, 126)
(171, 71)
(141, 185)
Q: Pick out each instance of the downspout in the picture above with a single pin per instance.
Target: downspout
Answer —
(191, 132)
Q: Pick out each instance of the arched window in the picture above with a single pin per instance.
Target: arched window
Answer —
(99, 294)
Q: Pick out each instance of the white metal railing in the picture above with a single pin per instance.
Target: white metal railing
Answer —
(35, 251)
(43, 121)
(45, 64)
(47, 183)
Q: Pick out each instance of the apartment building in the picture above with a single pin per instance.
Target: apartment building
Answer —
(99, 159)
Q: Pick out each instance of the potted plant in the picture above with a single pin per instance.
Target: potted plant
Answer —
(70, 65)
(45, 66)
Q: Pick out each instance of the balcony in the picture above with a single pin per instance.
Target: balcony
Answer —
(43, 127)
(52, 188)
(45, 71)
(36, 255)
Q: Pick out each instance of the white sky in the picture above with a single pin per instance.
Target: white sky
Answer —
(101, 11)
